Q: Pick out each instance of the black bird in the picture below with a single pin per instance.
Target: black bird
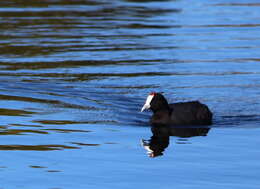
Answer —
(177, 114)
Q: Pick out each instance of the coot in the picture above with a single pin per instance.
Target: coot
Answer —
(182, 113)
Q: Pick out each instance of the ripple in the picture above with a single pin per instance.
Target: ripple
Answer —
(65, 122)
(49, 147)
(37, 167)
(239, 4)
(67, 130)
(84, 144)
(21, 132)
(15, 112)
(57, 103)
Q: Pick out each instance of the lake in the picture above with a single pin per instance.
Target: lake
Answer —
(74, 75)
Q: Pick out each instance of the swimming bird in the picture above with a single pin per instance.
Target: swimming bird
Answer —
(176, 114)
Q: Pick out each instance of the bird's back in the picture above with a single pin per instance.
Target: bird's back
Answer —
(190, 113)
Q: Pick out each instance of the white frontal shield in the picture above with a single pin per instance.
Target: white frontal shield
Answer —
(147, 103)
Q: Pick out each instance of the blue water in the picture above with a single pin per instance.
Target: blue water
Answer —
(75, 74)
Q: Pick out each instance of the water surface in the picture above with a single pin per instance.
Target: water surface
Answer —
(74, 76)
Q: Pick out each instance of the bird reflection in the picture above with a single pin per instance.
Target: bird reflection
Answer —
(159, 141)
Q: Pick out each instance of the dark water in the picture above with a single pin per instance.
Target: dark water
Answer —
(74, 75)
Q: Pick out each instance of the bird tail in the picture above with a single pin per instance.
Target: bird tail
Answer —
(205, 115)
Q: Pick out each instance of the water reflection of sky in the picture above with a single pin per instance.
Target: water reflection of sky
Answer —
(74, 75)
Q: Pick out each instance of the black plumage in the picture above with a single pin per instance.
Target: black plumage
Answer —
(183, 113)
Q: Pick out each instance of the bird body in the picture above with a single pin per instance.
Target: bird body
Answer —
(178, 114)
